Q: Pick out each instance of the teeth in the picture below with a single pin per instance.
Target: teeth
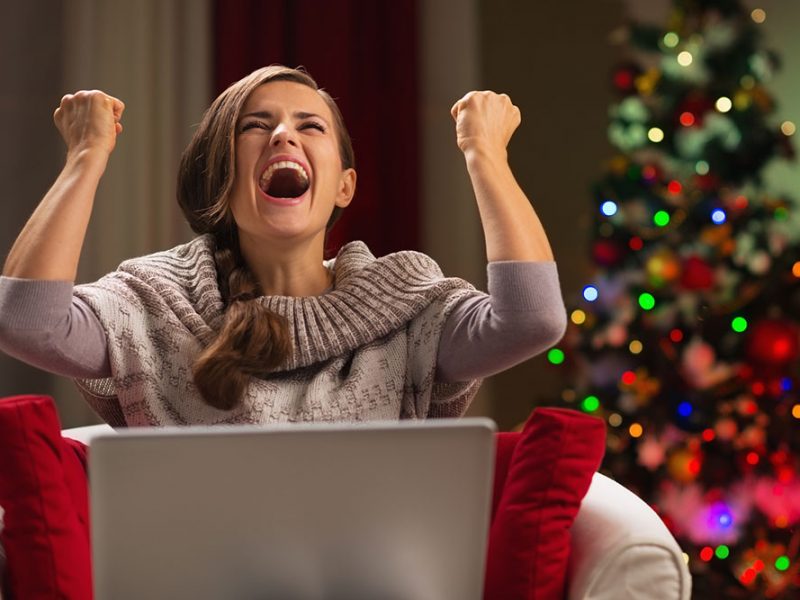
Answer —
(282, 164)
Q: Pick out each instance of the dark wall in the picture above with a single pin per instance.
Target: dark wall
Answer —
(31, 153)
(553, 59)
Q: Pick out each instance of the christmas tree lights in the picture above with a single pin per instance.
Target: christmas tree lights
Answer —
(686, 339)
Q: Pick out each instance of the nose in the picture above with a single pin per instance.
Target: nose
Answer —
(283, 134)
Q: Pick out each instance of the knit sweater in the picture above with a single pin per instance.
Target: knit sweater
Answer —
(364, 351)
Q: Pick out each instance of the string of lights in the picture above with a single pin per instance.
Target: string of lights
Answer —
(686, 336)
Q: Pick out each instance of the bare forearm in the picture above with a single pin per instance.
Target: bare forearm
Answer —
(511, 227)
(49, 246)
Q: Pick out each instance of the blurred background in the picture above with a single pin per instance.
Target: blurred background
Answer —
(396, 66)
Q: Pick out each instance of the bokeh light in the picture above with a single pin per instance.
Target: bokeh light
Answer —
(661, 218)
(655, 134)
(671, 39)
(609, 208)
(674, 187)
(723, 104)
(555, 356)
(647, 301)
(739, 324)
(590, 404)
(718, 216)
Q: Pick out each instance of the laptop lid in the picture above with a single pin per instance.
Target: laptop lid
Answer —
(378, 510)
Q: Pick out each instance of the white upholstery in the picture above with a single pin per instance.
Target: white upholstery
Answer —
(620, 548)
(85, 434)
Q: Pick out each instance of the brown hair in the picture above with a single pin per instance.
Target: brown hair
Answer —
(252, 340)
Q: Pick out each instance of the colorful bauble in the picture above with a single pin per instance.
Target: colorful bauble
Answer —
(683, 465)
(696, 106)
(607, 252)
(773, 342)
(707, 182)
(624, 77)
(696, 274)
(662, 267)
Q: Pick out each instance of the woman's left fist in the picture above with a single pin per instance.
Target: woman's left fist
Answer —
(485, 119)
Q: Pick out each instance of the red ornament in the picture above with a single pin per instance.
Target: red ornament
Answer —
(773, 342)
(674, 187)
(607, 253)
(651, 173)
(624, 77)
(695, 105)
(696, 274)
(707, 183)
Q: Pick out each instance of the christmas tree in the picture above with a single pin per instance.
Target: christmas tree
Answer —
(686, 337)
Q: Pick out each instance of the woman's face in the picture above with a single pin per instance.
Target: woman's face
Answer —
(289, 173)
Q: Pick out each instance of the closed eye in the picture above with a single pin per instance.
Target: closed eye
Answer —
(266, 127)
(313, 125)
(253, 125)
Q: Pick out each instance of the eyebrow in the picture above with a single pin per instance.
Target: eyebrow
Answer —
(265, 114)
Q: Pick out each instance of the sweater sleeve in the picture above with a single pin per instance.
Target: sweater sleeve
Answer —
(43, 324)
(522, 315)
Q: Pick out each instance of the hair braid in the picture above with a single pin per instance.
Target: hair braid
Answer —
(252, 340)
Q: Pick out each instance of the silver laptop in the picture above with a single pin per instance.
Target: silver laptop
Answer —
(390, 511)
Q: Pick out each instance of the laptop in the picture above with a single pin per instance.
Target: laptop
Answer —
(383, 510)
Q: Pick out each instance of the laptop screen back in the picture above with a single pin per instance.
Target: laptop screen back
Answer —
(380, 510)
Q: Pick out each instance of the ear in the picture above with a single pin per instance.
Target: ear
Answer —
(347, 188)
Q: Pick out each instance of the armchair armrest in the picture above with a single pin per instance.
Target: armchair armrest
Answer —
(85, 434)
(622, 549)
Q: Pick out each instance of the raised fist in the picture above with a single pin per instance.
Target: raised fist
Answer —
(89, 120)
(485, 119)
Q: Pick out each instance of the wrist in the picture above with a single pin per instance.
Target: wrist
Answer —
(88, 159)
(482, 156)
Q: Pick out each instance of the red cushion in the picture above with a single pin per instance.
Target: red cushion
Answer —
(505, 442)
(43, 492)
(550, 470)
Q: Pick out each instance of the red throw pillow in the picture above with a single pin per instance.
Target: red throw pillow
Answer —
(43, 492)
(551, 467)
(505, 442)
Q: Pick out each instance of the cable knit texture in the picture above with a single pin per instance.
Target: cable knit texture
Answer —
(366, 350)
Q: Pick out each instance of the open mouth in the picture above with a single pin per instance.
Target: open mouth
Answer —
(284, 179)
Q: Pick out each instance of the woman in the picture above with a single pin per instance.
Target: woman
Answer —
(247, 323)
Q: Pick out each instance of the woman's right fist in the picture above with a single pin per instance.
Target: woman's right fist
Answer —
(89, 120)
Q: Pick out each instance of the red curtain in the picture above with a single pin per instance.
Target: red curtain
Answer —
(364, 52)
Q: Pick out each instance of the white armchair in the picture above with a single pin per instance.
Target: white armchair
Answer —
(620, 548)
